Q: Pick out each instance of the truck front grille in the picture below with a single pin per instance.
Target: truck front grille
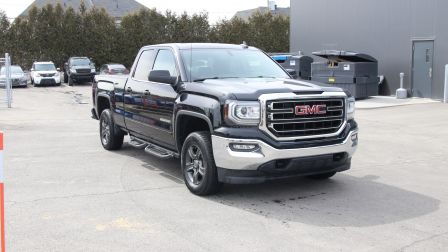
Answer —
(47, 75)
(83, 71)
(305, 117)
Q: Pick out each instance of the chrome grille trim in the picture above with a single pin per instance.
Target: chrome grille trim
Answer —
(266, 103)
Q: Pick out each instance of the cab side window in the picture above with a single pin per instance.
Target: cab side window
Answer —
(166, 61)
(144, 65)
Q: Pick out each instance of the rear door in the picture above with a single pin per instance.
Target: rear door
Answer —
(136, 94)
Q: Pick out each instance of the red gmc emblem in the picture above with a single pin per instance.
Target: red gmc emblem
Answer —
(311, 110)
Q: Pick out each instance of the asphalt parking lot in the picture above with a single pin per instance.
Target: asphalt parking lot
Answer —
(65, 193)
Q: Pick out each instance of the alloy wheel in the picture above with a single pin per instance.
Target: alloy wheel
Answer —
(105, 131)
(195, 169)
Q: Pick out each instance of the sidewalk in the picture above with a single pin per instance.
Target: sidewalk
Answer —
(390, 101)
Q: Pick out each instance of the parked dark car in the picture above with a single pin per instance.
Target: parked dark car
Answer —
(78, 70)
(113, 69)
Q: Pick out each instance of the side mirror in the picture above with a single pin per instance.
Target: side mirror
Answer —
(162, 76)
(58, 69)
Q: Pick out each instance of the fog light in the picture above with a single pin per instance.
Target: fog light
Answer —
(355, 137)
(243, 147)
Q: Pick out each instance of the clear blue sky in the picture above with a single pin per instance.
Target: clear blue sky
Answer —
(217, 9)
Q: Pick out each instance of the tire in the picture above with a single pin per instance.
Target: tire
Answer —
(322, 176)
(198, 165)
(110, 135)
(65, 77)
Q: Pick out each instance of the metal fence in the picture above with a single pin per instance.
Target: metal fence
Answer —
(5, 81)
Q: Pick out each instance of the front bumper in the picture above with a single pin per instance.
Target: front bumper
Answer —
(82, 76)
(267, 162)
(47, 80)
(19, 82)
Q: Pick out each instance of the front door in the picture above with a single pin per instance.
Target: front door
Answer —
(149, 105)
(422, 68)
(162, 98)
(136, 95)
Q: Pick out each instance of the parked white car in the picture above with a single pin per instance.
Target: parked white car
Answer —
(45, 73)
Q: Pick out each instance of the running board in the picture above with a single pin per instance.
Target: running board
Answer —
(137, 143)
(152, 149)
(158, 151)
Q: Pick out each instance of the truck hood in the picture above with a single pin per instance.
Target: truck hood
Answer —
(249, 89)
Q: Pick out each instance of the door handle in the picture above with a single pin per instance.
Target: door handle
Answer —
(129, 90)
(147, 93)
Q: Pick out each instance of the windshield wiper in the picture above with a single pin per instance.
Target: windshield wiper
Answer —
(261, 76)
(213, 78)
(203, 79)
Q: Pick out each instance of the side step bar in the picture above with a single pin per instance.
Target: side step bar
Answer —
(158, 151)
(137, 143)
(152, 149)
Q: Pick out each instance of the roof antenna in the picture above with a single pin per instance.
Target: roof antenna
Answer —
(244, 45)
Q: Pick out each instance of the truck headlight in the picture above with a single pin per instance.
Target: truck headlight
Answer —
(242, 112)
(350, 108)
(72, 71)
(37, 75)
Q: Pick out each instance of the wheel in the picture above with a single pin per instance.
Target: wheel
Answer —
(322, 176)
(70, 81)
(65, 77)
(111, 136)
(198, 165)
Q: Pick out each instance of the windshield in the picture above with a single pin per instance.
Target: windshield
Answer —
(14, 70)
(118, 67)
(45, 67)
(80, 62)
(230, 63)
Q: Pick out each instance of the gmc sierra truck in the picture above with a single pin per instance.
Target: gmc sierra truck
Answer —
(230, 113)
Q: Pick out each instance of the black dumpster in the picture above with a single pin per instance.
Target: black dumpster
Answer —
(299, 66)
(355, 72)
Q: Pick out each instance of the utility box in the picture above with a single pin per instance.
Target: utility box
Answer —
(352, 71)
(299, 66)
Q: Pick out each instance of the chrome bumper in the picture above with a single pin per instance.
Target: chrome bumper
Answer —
(227, 158)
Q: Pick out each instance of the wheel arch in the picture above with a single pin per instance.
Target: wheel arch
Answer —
(195, 121)
(102, 103)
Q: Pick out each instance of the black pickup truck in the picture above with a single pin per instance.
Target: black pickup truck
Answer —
(229, 112)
